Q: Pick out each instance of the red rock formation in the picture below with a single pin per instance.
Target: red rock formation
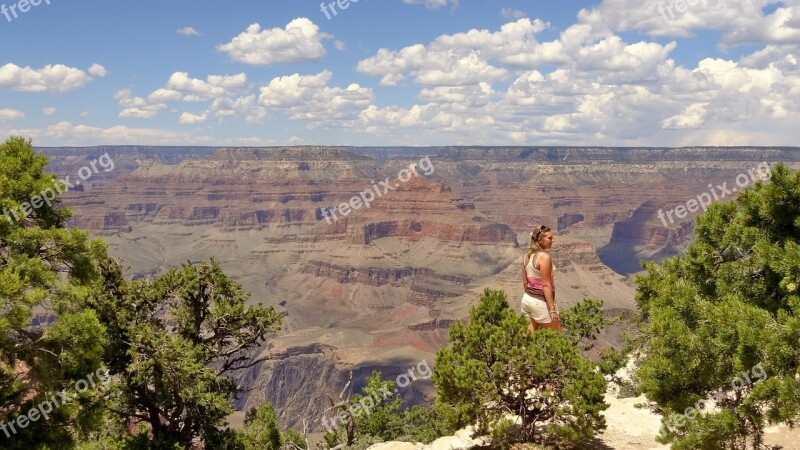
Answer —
(388, 279)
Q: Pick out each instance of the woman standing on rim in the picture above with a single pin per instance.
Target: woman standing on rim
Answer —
(539, 300)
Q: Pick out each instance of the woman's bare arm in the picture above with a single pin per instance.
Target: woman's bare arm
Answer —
(546, 269)
(524, 273)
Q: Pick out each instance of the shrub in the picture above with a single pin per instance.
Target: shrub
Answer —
(727, 305)
(495, 366)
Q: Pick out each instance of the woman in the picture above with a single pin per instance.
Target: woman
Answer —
(539, 300)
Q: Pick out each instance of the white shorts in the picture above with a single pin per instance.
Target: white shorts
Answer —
(535, 309)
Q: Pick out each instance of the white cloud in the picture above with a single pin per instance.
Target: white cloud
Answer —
(603, 90)
(308, 97)
(137, 107)
(511, 14)
(301, 40)
(67, 133)
(49, 111)
(693, 116)
(183, 88)
(738, 21)
(98, 70)
(586, 85)
(10, 114)
(164, 96)
(187, 118)
(194, 89)
(437, 68)
(189, 31)
(243, 106)
(475, 96)
(464, 58)
(52, 78)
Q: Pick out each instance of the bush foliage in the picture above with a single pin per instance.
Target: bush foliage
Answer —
(495, 367)
(727, 305)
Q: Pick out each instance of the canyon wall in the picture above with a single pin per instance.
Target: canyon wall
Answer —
(377, 287)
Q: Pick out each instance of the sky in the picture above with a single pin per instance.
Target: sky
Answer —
(400, 72)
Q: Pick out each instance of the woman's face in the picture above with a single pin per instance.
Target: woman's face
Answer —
(546, 240)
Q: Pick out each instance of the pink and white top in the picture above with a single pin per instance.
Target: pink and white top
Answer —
(535, 277)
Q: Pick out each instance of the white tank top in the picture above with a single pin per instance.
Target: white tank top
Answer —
(531, 269)
(532, 272)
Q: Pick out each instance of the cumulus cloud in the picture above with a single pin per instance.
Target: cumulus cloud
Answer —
(164, 95)
(464, 58)
(300, 40)
(592, 83)
(181, 87)
(243, 106)
(98, 70)
(693, 116)
(308, 97)
(137, 107)
(49, 111)
(10, 114)
(587, 85)
(191, 119)
(738, 21)
(194, 89)
(476, 96)
(189, 31)
(50, 78)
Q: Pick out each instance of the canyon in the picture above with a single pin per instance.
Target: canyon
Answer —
(377, 289)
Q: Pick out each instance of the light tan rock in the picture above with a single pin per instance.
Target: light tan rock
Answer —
(394, 445)
(461, 440)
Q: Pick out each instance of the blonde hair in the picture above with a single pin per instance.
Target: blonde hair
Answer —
(534, 246)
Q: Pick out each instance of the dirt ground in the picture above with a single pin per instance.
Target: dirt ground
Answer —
(631, 428)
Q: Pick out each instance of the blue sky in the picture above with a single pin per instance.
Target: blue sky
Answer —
(401, 72)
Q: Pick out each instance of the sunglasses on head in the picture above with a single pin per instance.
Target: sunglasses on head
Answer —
(538, 232)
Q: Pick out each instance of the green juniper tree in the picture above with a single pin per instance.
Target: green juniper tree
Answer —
(378, 416)
(171, 344)
(378, 410)
(719, 314)
(175, 343)
(262, 432)
(291, 439)
(496, 366)
(47, 340)
(583, 322)
(261, 429)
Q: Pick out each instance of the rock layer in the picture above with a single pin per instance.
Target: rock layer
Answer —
(377, 287)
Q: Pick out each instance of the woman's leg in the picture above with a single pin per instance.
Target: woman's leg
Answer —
(555, 325)
(533, 326)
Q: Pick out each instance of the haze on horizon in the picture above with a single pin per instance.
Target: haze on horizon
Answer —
(401, 72)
